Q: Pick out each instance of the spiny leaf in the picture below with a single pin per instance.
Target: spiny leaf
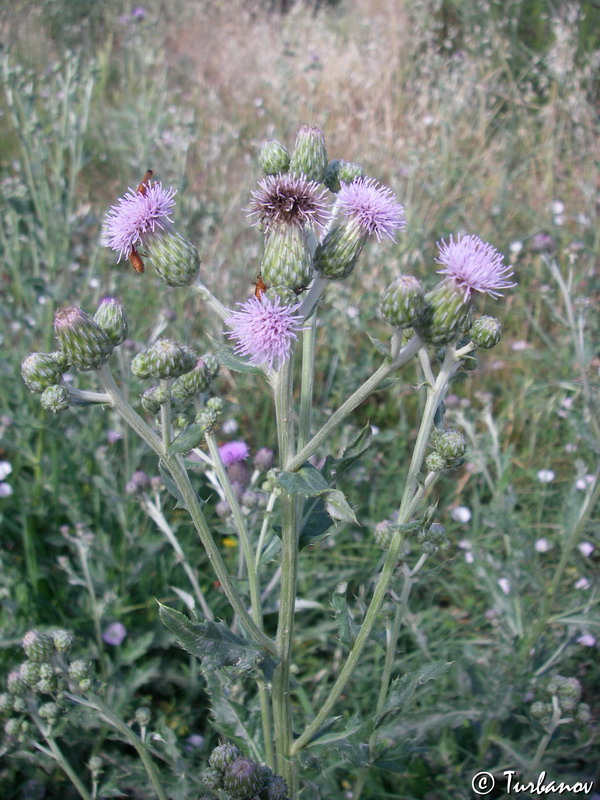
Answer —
(402, 689)
(333, 468)
(189, 438)
(227, 357)
(213, 642)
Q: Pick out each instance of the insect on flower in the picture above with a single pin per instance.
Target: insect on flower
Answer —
(135, 258)
(261, 287)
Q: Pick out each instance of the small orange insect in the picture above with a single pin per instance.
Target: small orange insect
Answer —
(136, 260)
(143, 186)
(134, 257)
(261, 287)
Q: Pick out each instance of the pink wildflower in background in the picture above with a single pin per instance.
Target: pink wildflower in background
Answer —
(137, 214)
(264, 330)
(474, 266)
(372, 206)
(233, 451)
(115, 633)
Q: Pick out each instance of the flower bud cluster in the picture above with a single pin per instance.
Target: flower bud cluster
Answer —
(208, 417)
(433, 538)
(241, 778)
(45, 672)
(565, 694)
(449, 448)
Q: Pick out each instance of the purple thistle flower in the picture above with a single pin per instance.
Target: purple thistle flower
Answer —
(372, 206)
(137, 214)
(474, 266)
(288, 199)
(264, 330)
(233, 451)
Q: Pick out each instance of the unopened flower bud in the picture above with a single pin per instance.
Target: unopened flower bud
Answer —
(450, 444)
(486, 332)
(336, 256)
(30, 673)
(95, 765)
(139, 482)
(339, 172)
(309, 156)
(6, 703)
(62, 361)
(175, 259)
(583, 713)
(13, 727)
(402, 301)
(153, 398)
(40, 371)
(38, 646)
(79, 670)
(164, 359)
(274, 158)
(15, 683)
(193, 383)
(62, 641)
(434, 462)
(142, 716)
(212, 778)
(263, 460)
(445, 313)
(287, 259)
(55, 399)
(84, 343)
(223, 509)
(223, 755)
(111, 317)
(242, 779)
(275, 788)
(211, 362)
(50, 712)
(384, 533)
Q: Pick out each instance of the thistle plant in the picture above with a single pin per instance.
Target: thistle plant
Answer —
(316, 217)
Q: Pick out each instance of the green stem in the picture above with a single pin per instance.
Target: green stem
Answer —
(307, 380)
(434, 397)
(92, 701)
(384, 371)
(204, 292)
(62, 761)
(190, 497)
(282, 714)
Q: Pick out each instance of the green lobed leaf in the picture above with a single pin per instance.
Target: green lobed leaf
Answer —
(381, 347)
(333, 468)
(347, 628)
(306, 482)
(171, 486)
(227, 357)
(402, 689)
(337, 506)
(189, 438)
(213, 642)
(315, 525)
(351, 743)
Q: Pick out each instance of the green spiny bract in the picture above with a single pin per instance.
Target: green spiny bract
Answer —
(274, 158)
(211, 363)
(309, 156)
(40, 371)
(435, 462)
(164, 359)
(486, 332)
(339, 171)
(445, 314)
(111, 317)
(55, 399)
(38, 646)
(223, 755)
(287, 259)
(174, 258)
(30, 672)
(287, 297)
(450, 444)
(62, 641)
(402, 301)
(336, 256)
(193, 383)
(85, 345)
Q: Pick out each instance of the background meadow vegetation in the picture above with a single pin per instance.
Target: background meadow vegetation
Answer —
(482, 117)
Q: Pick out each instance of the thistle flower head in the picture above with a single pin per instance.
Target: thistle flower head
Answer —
(372, 206)
(474, 266)
(234, 451)
(136, 214)
(264, 330)
(290, 200)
